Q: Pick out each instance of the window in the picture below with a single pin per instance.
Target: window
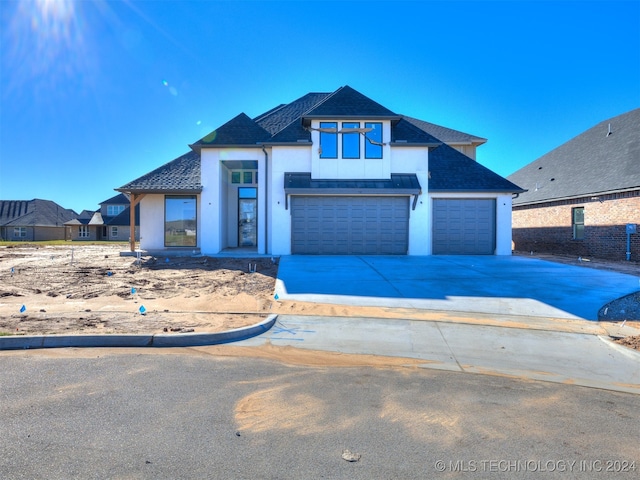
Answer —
(113, 210)
(114, 232)
(328, 140)
(20, 232)
(180, 221)
(350, 141)
(578, 223)
(83, 231)
(373, 142)
(245, 177)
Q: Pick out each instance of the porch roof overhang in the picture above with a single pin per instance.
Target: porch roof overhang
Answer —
(165, 191)
(398, 184)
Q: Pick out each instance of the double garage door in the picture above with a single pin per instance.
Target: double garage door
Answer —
(464, 226)
(367, 225)
(350, 225)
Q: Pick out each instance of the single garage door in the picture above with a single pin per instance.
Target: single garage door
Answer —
(345, 225)
(464, 226)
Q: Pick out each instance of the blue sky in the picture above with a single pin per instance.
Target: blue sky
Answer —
(94, 94)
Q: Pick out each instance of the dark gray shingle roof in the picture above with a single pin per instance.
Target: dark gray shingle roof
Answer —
(120, 199)
(452, 171)
(179, 175)
(347, 102)
(239, 131)
(445, 134)
(591, 163)
(34, 213)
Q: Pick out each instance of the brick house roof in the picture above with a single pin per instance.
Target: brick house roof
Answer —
(603, 159)
(34, 213)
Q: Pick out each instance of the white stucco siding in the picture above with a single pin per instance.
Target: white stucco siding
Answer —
(219, 202)
(211, 212)
(152, 222)
(503, 227)
(283, 159)
(415, 160)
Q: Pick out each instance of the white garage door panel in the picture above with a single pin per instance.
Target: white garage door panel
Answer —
(349, 225)
(464, 226)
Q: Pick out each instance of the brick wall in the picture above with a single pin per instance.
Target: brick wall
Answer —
(546, 228)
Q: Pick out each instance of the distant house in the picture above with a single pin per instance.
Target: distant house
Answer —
(111, 222)
(33, 220)
(329, 173)
(581, 196)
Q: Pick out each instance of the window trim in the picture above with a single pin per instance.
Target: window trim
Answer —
(195, 219)
(114, 231)
(354, 135)
(118, 209)
(21, 232)
(370, 148)
(83, 231)
(326, 137)
(577, 233)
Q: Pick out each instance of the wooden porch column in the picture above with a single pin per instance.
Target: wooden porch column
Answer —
(134, 199)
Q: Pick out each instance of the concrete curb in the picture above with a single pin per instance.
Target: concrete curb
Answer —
(26, 342)
(629, 352)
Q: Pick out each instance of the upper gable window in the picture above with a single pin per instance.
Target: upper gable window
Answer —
(350, 141)
(373, 141)
(328, 140)
(113, 210)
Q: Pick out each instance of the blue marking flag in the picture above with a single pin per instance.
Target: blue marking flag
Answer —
(142, 309)
(108, 274)
(23, 309)
(166, 259)
(12, 271)
(276, 296)
(133, 291)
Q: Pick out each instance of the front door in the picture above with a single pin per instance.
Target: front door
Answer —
(247, 217)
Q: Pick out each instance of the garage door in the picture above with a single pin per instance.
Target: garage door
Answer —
(464, 226)
(343, 225)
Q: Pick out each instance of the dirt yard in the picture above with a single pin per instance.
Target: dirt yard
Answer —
(92, 289)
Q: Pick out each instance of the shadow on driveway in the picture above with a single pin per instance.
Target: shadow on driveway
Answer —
(505, 285)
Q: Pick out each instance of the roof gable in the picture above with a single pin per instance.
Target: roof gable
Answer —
(593, 162)
(240, 130)
(347, 102)
(120, 199)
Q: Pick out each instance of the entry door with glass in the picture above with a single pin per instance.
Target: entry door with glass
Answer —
(247, 217)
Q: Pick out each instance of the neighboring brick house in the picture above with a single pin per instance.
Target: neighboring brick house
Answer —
(329, 173)
(111, 222)
(33, 220)
(581, 196)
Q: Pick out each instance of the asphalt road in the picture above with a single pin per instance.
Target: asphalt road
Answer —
(189, 413)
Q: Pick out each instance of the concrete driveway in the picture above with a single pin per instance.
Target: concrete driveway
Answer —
(501, 285)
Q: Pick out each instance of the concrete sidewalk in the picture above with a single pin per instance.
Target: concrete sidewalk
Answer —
(499, 285)
(574, 355)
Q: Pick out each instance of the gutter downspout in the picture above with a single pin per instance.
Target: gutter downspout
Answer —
(266, 200)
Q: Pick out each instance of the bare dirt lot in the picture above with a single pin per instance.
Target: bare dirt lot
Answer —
(93, 289)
